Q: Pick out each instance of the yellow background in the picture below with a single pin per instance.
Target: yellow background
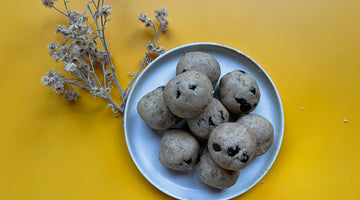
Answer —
(52, 149)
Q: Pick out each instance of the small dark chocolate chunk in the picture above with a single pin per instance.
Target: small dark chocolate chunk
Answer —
(244, 158)
(178, 93)
(192, 87)
(211, 122)
(255, 104)
(240, 100)
(252, 90)
(232, 151)
(222, 115)
(242, 71)
(246, 107)
(188, 161)
(161, 88)
(216, 147)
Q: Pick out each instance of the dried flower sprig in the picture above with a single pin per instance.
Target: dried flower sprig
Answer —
(86, 55)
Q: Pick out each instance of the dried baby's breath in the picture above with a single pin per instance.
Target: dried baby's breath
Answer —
(70, 95)
(48, 3)
(85, 53)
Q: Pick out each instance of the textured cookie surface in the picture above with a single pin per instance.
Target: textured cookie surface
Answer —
(201, 62)
(188, 94)
(154, 111)
(214, 114)
(232, 145)
(239, 92)
(179, 150)
(262, 129)
(213, 175)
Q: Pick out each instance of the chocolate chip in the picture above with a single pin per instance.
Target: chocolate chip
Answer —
(192, 87)
(232, 151)
(242, 71)
(252, 90)
(246, 107)
(188, 161)
(201, 121)
(178, 93)
(216, 147)
(211, 122)
(244, 158)
(240, 100)
(255, 104)
(222, 115)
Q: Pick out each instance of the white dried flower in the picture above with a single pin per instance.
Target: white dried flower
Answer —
(48, 3)
(164, 26)
(142, 17)
(159, 50)
(161, 15)
(105, 10)
(97, 92)
(70, 67)
(53, 45)
(152, 48)
(148, 22)
(53, 80)
(59, 87)
(63, 30)
(70, 95)
(76, 17)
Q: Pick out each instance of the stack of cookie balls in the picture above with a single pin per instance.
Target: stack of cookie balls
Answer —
(216, 146)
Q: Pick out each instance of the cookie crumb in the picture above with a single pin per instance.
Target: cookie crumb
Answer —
(345, 120)
(262, 182)
(301, 108)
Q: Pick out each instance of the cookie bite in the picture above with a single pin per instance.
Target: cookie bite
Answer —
(154, 111)
(213, 175)
(188, 94)
(179, 150)
(262, 129)
(214, 114)
(232, 145)
(201, 62)
(239, 92)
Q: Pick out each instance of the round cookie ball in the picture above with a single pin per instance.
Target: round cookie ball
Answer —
(232, 145)
(188, 94)
(213, 175)
(179, 150)
(239, 92)
(262, 129)
(201, 62)
(154, 111)
(214, 114)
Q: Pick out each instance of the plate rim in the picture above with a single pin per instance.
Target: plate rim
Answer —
(215, 45)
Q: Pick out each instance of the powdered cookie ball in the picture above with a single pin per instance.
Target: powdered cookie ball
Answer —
(239, 92)
(262, 129)
(179, 150)
(188, 94)
(214, 114)
(201, 62)
(153, 110)
(213, 175)
(232, 146)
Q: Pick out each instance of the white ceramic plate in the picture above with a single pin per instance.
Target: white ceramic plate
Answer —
(144, 143)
